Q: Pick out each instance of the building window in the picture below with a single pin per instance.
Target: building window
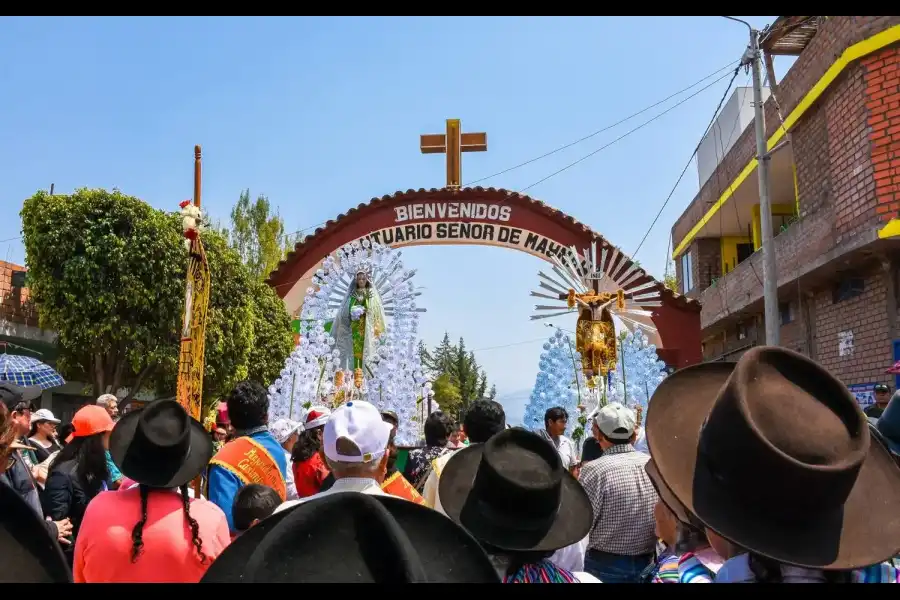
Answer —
(847, 288)
(785, 313)
(687, 273)
(741, 331)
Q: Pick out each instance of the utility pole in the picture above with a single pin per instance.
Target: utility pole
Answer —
(770, 274)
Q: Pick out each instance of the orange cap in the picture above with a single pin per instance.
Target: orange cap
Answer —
(90, 420)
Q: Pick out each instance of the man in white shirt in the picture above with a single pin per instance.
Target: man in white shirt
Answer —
(555, 421)
(355, 442)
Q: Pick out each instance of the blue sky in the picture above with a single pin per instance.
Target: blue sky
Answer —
(322, 114)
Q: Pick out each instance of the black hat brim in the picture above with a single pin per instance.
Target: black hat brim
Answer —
(447, 553)
(145, 469)
(572, 523)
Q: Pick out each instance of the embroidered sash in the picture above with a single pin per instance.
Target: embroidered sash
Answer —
(397, 485)
(250, 462)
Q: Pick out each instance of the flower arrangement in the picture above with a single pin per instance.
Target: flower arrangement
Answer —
(191, 222)
(357, 312)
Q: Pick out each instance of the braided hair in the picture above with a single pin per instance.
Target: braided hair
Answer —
(137, 540)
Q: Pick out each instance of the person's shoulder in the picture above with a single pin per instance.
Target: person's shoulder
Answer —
(291, 504)
(202, 506)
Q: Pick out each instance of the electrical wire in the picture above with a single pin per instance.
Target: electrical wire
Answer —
(522, 343)
(686, 166)
(626, 134)
(599, 131)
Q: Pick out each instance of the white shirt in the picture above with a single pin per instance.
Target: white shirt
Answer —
(584, 577)
(344, 484)
(567, 453)
(289, 480)
(433, 483)
(571, 558)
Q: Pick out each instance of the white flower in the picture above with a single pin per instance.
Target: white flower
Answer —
(357, 312)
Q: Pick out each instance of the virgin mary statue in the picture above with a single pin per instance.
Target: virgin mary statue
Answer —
(359, 323)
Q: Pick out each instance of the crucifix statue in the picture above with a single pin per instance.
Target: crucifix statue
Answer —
(453, 144)
(595, 333)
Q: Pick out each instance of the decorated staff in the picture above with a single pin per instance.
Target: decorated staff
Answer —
(196, 302)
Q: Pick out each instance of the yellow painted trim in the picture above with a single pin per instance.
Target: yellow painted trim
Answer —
(892, 229)
(851, 54)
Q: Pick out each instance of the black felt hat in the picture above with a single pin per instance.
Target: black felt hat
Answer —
(350, 537)
(29, 554)
(160, 445)
(513, 493)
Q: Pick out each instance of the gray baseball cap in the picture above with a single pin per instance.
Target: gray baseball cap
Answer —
(615, 421)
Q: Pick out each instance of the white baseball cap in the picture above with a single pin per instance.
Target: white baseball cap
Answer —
(283, 429)
(361, 423)
(43, 414)
(615, 421)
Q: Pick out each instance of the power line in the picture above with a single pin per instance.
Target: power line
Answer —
(626, 134)
(683, 171)
(599, 131)
(591, 135)
(512, 344)
(587, 156)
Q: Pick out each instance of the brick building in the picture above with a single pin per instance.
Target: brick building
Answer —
(833, 126)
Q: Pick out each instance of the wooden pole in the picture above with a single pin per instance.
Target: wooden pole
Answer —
(197, 174)
(198, 170)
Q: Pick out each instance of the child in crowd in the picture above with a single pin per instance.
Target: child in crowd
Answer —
(252, 504)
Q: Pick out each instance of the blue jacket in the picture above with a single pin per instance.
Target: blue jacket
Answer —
(224, 485)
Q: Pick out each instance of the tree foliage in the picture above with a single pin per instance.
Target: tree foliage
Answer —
(107, 273)
(446, 394)
(273, 339)
(258, 235)
(456, 375)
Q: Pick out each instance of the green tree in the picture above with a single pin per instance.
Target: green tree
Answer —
(425, 358)
(273, 339)
(447, 395)
(444, 356)
(107, 274)
(258, 235)
(669, 279)
(492, 394)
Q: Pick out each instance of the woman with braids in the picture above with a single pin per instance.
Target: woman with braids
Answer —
(154, 532)
(79, 472)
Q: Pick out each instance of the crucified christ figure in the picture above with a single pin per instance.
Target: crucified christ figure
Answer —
(595, 334)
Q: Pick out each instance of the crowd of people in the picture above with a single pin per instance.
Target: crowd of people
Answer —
(760, 471)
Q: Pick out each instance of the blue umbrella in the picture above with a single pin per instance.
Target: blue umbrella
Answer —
(26, 371)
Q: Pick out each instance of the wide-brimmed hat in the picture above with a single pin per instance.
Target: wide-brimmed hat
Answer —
(30, 554)
(774, 454)
(514, 494)
(160, 446)
(350, 537)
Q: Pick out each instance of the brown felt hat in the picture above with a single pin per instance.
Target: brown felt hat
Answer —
(774, 454)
